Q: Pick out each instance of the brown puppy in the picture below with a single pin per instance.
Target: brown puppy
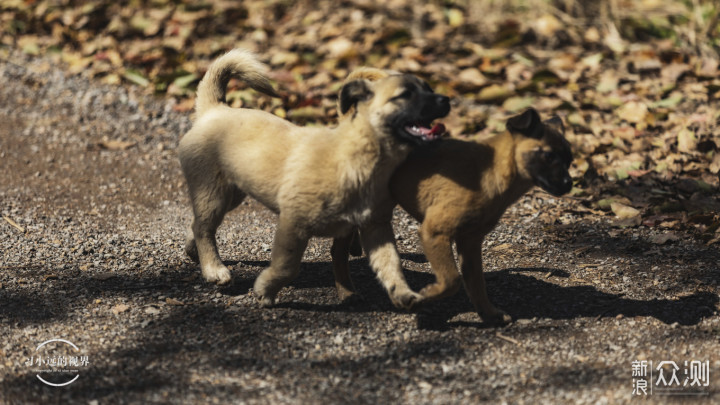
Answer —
(459, 189)
(321, 181)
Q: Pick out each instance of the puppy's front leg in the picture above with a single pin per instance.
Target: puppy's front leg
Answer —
(438, 249)
(340, 253)
(287, 252)
(470, 252)
(379, 243)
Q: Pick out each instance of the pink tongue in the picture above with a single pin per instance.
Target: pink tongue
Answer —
(437, 129)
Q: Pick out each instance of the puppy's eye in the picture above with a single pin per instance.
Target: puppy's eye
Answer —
(548, 155)
(404, 95)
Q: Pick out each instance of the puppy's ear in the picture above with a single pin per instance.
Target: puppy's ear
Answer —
(352, 93)
(527, 123)
(369, 73)
(555, 123)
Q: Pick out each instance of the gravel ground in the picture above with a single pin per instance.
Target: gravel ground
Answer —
(94, 208)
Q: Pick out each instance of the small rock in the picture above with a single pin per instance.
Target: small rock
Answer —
(152, 310)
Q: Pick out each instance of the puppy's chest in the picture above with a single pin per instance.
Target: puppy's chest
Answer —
(357, 215)
(361, 206)
(482, 217)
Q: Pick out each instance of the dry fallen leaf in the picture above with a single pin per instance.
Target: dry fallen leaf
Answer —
(664, 238)
(471, 79)
(115, 145)
(633, 112)
(501, 247)
(687, 141)
(715, 165)
(119, 308)
(104, 276)
(627, 216)
(173, 301)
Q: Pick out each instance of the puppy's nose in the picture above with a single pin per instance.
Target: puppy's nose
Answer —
(443, 104)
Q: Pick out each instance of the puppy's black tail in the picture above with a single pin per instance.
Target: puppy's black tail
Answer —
(238, 63)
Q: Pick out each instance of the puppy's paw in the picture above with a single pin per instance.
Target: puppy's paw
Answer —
(496, 318)
(265, 302)
(191, 251)
(263, 292)
(219, 275)
(345, 294)
(352, 299)
(405, 298)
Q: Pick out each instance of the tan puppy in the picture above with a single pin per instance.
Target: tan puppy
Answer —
(459, 189)
(321, 181)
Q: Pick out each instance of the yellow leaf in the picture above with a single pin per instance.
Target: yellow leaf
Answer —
(623, 211)
(455, 17)
(687, 142)
(633, 111)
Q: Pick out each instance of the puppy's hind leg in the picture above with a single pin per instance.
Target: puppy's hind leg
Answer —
(287, 252)
(210, 205)
(190, 245)
(470, 252)
(340, 253)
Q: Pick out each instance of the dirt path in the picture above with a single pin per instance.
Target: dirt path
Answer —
(93, 212)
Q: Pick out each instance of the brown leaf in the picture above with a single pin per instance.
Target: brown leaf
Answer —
(673, 72)
(546, 25)
(664, 238)
(626, 216)
(501, 247)
(715, 165)
(687, 142)
(495, 92)
(173, 301)
(633, 111)
(104, 276)
(115, 144)
(471, 79)
(119, 308)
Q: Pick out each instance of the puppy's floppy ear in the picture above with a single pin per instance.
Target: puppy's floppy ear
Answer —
(354, 92)
(527, 123)
(555, 123)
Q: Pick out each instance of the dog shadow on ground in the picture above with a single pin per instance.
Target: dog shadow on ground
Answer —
(518, 291)
(526, 297)
(515, 290)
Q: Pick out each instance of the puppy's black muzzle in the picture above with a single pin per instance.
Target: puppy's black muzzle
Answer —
(436, 106)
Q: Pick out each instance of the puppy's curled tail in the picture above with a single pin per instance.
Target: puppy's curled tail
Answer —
(238, 63)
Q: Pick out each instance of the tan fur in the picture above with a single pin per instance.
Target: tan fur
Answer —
(321, 181)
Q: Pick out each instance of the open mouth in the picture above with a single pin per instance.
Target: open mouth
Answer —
(426, 132)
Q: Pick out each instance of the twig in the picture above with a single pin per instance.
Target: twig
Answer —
(15, 224)
(509, 339)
